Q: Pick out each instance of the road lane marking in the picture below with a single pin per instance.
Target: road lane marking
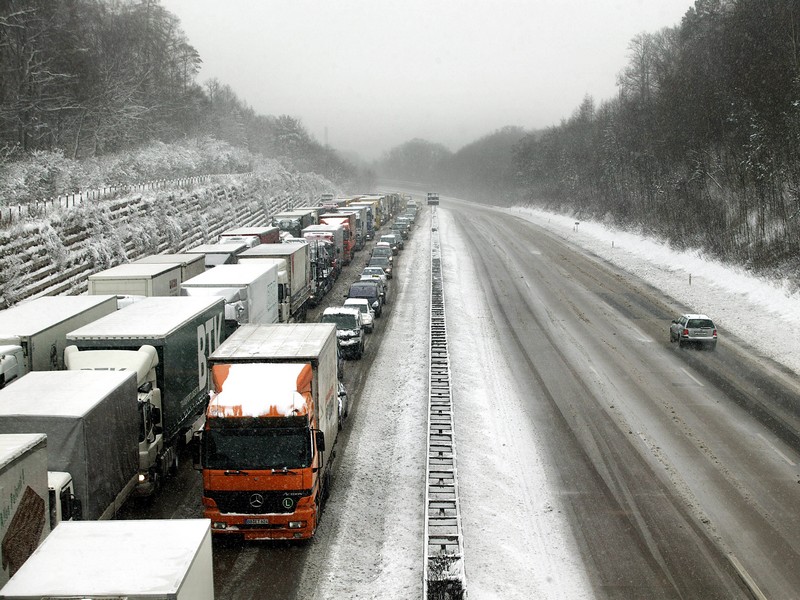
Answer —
(776, 451)
(749, 581)
(693, 378)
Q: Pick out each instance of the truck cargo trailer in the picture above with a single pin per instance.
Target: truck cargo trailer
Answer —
(116, 560)
(40, 328)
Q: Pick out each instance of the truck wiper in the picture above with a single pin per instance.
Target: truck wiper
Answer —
(235, 472)
(283, 471)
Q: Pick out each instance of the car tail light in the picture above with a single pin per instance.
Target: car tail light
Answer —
(685, 332)
(715, 333)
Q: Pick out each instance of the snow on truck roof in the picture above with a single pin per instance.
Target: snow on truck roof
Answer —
(14, 445)
(260, 389)
(239, 274)
(272, 250)
(180, 259)
(60, 393)
(106, 559)
(249, 230)
(151, 317)
(31, 317)
(135, 271)
(290, 341)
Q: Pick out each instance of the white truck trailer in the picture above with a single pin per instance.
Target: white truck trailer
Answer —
(295, 296)
(250, 292)
(92, 427)
(33, 334)
(223, 253)
(137, 279)
(116, 560)
(24, 521)
(191, 264)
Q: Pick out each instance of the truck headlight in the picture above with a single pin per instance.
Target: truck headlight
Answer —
(297, 524)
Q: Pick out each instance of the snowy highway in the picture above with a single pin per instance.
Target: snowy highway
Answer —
(596, 459)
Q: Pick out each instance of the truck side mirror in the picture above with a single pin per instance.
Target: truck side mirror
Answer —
(319, 437)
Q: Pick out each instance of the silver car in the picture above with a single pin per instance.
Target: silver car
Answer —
(367, 313)
(693, 329)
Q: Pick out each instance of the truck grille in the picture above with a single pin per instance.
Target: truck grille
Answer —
(257, 502)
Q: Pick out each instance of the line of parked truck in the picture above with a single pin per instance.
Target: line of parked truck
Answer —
(99, 393)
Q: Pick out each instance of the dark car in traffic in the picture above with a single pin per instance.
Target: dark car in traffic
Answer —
(372, 290)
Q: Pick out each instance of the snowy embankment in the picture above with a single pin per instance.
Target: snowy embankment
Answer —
(764, 313)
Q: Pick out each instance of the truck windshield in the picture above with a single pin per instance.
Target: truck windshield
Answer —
(257, 448)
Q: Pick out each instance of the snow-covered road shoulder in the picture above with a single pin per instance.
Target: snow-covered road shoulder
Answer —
(765, 313)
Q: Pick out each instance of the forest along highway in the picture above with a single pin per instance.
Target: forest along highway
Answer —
(596, 459)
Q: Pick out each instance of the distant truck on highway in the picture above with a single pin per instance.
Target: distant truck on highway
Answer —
(348, 223)
(137, 279)
(183, 331)
(266, 450)
(33, 334)
(92, 427)
(333, 234)
(191, 264)
(266, 235)
(223, 253)
(119, 560)
(294, 278)
(293, 222)
(250, 291)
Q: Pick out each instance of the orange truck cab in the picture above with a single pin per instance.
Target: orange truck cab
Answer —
(266, 449)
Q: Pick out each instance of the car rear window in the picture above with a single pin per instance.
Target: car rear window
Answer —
(698, 323)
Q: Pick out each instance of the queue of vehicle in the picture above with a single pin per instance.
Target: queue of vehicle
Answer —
(136, 362)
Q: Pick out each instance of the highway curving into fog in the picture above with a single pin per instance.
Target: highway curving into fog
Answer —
(596, 459)
(657, 456)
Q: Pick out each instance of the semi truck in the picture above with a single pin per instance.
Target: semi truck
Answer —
(116, 560)
(322, 255)
(348, 223)
(183, 331)
(224, 253)
(33, 334)
(24, 520)
(137, 279)
(143, 363)
(266, 235)
(296, 287)
(266, 451)
(250, 291)
(294, 221)
(92, 427)
(191, 264)
(360, 213)
(333, 234)
(373, 216)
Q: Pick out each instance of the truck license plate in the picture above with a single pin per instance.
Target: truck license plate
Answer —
(256, 521)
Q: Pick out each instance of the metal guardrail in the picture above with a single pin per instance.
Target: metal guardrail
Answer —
(443, 572)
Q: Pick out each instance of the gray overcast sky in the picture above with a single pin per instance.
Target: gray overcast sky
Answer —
(377, 73)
